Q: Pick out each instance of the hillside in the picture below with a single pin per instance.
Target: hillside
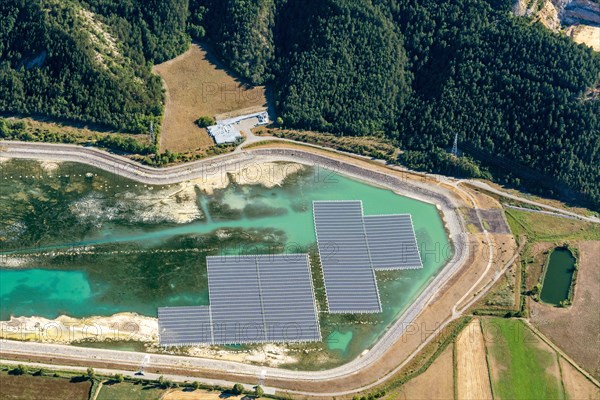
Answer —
(520, 97)
(523, 100)
(84, 64)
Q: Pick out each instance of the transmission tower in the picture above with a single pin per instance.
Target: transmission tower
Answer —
(455, 146)
(152, 131)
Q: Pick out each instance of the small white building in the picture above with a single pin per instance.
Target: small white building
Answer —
(227, 130)
(224, 133)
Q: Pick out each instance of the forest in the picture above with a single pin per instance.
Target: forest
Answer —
(523, 101)
(59, 60)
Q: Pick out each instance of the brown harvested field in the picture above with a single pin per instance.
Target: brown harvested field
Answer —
(436, 383)
(472, 378)
(576, 385)
(575, 329)
(27, 387)
(198, 395)
(197, 85)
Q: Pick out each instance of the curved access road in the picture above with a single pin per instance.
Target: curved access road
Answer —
(199, 169)
(447, 201)
(556, 210)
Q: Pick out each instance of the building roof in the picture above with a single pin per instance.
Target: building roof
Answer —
(224, 133)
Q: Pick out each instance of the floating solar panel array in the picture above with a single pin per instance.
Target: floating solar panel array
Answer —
(183, 326)
(270, 298)
(349, 278)
(235, 302)
(288, 298)
(254, 299)
(353, 246)
(392, 242)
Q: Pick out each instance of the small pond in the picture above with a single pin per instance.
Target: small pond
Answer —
(559, 276)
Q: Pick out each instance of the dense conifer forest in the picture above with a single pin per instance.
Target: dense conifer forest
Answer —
(523, 101)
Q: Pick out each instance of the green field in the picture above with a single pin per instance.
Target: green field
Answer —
(130, 391)
(541, 227)
(519, 364)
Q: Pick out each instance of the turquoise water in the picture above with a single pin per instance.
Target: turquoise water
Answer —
(339, 341)
(45, 291)
(558, 277)
(110, 261)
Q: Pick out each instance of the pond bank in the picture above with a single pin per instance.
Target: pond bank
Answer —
(559, 277)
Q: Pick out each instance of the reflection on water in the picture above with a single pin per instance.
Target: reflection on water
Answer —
(92, 243)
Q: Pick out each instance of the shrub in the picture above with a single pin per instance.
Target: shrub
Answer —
(19, 370)
(205, 121)
(238, 388)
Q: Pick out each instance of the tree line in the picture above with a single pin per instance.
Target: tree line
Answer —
(523, 101)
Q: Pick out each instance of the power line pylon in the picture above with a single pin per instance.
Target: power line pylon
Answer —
(455, 146)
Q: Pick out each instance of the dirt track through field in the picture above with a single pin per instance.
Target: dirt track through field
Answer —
(472, 377)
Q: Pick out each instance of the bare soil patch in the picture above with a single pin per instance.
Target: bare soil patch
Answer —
(586, 34)
(472, 379)
(576, 385)
(575, 329)
(197, 85)
(494, 219)
(27, 387)
(437, 383)
(198, 395)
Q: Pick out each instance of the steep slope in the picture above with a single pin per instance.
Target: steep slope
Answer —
(520, 98)
(241, 32)
(61, 59)
(341, 67)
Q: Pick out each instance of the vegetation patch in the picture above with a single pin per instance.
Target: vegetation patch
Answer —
(376, 147)
(518, 363)
(543, 227)
(131, 391)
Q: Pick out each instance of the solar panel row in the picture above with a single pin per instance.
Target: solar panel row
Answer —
(349, 278)
(392, 242)
(353, 246)
(256, 299)
(183, 326)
